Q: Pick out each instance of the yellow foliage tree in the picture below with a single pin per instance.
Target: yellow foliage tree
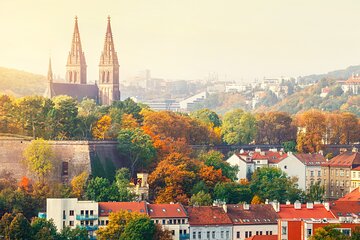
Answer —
(256, 200)
(78, 184)
(128, 121)
(101, 127)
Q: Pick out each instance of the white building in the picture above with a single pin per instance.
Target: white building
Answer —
(73, 213)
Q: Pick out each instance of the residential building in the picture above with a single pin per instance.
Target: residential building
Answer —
(141, 186)
(210, 222)
(172, 217)
(263, 237)
(336, 174)
(355, 178)
(352, 84)
(249, 161)
(250, 220)
(306, 167)
(347, 208)
(105, 208)
(73, 213)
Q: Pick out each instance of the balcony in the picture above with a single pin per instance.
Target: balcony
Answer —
(89, 228)
(86, 217)
(184, 236)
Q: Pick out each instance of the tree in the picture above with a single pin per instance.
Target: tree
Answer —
(5, 222)
(238, 127)
(216, 159)
(101, 190)
(38, 158)
(207, 116)
(162, 234)
(136, 146)
(7, 118)
(128, 106)
(78, 185)
(20, 228)
(256, 200)
(117, 224)
(25, 184)
(316, 192)
(274, 184)
(139, 228)
(73, 234)
(329, 232)
(232, 192)
(289, 146)
(201, 199)
(43, 229)
(101, 128)
(122, 181)
(87, 114)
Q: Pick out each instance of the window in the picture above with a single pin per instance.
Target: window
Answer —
(227, 234)
(183, 221)
(82, 212)
(199, 235)
(180, 232)
(107, 222)
(102, 222)
(82, 223)
(91, 212)
(86, 212)
(185, 231)
(71, 213)
(163, 221)
(213, 234)
(311, 173)
(319, 173)
(170, 221)
(173, 232)
(194, 235)
(64, 215)
(354, 174)
(331, 183)
(284, 230)
(347, 173)
(341, 172)
(260, 233)
(308, 231)
(71, 223)
(237, 234)
(358, 174)
(337, 172)
(208, 234)
(337, 183)
(270, 232)
(257, 233)
(64, 168)
(63, 224)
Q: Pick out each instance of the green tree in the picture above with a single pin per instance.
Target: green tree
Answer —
(43, 229)
(198, 187)
(20, 228)
(87, 114)
(274, 184)
(216, 159)
(207, 116)
(289, 146)
(101, 190)
(5, 222)
(201, 199)
(316, 192)
(139, 228)
(328, 232)
(39, 157)
(122, 181)
(232, 192)
(73, 234)
(136, 146)
(238, 127)
(128, 106)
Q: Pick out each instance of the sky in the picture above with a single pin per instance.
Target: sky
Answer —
(185, 39)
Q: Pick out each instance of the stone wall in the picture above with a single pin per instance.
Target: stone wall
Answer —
(78, 155)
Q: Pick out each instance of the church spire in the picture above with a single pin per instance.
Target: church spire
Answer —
(109, 56)
(50, 73)
(76, 64)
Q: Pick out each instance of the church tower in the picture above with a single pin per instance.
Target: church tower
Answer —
(76, 64)
(49, 92)
(108, 71)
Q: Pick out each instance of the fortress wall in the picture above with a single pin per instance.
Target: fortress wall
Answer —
(78, 154)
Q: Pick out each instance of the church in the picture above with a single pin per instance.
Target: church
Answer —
(106, 90)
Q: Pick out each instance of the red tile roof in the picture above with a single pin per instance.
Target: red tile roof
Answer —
(345, 208)
(166, 211)
(346, 159)
(353, 80)
(105, 208)
(356, 169)
(272, 157)
(207, 216)
(257, 214)
(317, 212)
(354, 195)
(263, 237)
(308, 159)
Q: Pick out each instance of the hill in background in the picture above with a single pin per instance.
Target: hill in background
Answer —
(20, 83)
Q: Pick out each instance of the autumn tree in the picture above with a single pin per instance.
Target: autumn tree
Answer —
(39, 158)
(78, 185)
(137, 147)
(201, 199)
(207, 116)
(256, 200)
(25, 184)
(312, 126)
(101, 127)
(238, 127)
(20, 228)
(7, 116)
(43, 229)
(5, 222)
(274, 128)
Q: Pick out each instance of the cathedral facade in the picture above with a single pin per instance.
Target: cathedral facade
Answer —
(106, 90)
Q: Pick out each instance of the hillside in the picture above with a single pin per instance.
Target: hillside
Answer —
(20, 83)
(310, 98)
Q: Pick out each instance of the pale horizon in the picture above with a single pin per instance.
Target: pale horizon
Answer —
(185, 39)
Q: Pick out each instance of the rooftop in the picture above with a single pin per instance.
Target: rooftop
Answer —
(105, 208)
(318, 211)
(354, 195)
(346, 159)
(256, 214)
(208, 215)
(166, 210)
(315, 159)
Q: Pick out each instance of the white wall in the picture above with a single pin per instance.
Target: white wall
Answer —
(253, 228)
(205, 229)
(294, 167)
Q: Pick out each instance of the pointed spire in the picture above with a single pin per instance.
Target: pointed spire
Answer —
(76, 50)
(109, 55)
(50, 73)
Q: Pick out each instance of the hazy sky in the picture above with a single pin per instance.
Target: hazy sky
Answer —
(186, 39)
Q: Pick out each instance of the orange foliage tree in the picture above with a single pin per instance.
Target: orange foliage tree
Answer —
(101, 127)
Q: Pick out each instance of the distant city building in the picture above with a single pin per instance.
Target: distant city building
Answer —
(352, 84)
(76, 85)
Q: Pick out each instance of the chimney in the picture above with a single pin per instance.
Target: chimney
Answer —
(246, 206)
(288, 202)
(267, 200)
(276, 205)
(309, 205)
(355, 149)
(297, 204)
(224, 207)
(327, 206)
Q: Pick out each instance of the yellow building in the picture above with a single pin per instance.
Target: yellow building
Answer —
(355, 178)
